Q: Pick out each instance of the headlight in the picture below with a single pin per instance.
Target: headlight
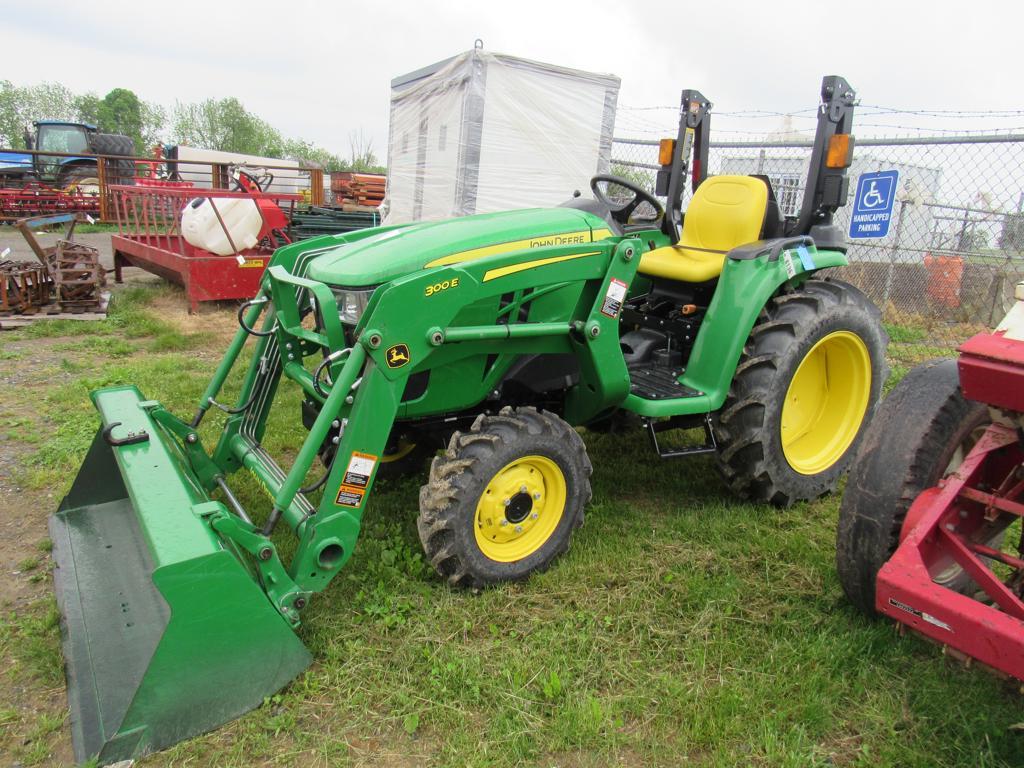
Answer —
(351, 303)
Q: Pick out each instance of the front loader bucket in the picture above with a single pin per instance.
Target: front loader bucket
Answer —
(166, 634)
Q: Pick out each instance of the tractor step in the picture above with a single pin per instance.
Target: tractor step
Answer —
(658, 382)
(654, 428)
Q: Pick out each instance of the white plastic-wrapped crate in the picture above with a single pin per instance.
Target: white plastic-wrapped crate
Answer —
(485, 132)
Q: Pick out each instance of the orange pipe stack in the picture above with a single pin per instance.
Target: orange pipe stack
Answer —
(360, 189)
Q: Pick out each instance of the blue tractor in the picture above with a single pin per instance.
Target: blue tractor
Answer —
(77, 140)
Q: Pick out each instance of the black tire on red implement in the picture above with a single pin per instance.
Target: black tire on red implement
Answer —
(921, 432)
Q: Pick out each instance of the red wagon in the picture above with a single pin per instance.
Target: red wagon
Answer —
(149, 236)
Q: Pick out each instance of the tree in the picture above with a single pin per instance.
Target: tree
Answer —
(639, 176)
(225, 125)
(222, 124)
(1011, 238)
(153, 126)
(19, 107)
(363, 159)
(120, 111)
(88, 106)
(311, 154)
(11, 121)
(50, 101)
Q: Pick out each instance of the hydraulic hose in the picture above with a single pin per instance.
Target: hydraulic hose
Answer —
(241, 318)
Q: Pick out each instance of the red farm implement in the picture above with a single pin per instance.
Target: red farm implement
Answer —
(150, 236)
(933, 497)
(34, 199)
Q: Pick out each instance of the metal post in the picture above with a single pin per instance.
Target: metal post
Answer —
(892, 254)
(223, 226)
(316, 186)
(101, 177)
(961, 243)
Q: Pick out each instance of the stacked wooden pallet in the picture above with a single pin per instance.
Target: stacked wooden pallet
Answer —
(357, 189)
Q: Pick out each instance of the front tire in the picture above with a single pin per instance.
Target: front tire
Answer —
(505, 498)
(807, 383)
(81, 178)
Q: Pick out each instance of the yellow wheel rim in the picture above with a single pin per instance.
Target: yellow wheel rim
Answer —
(402, 449)
(826, 402)
(520, 508)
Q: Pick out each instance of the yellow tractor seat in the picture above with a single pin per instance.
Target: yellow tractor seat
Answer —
(725, 212)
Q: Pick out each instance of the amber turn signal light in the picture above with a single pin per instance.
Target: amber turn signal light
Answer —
(840, 151)
(666, 151)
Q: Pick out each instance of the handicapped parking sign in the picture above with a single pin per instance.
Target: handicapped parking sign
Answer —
(872, 205)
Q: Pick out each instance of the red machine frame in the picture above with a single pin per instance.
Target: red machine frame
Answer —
(149, 236)
(35, 199)
(941, 527)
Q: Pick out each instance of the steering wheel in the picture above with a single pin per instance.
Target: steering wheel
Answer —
(261, 183)
(621, 212)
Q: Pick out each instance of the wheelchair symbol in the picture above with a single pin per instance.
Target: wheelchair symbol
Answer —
(872, 198)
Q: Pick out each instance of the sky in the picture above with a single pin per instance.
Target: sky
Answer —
(322, 71)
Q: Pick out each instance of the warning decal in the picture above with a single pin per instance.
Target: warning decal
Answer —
(613, 299)
(360, 467)
(350, 497)
(926, 616)
(787, 261)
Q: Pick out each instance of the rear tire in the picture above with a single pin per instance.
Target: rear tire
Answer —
(118, 171)
(477, 523)
(922, 431)
(807, 382)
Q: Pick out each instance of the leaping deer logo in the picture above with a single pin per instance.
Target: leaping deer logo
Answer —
(397, 356)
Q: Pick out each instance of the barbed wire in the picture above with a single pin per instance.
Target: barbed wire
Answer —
(632, 122)
(809, 132)
(811, 112)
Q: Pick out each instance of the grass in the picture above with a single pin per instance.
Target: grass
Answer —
(684, 626)
(915, 338)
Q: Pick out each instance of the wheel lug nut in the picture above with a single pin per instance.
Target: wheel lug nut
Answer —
(536, 496)
(522, 489)
(519, 529)
(503, 522)
(506, 502)
(533, 516)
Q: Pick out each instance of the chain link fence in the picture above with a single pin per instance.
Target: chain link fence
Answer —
(955, 246)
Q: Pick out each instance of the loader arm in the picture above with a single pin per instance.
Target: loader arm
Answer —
(407, 328)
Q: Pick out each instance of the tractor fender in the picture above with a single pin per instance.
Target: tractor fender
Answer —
(744, 288)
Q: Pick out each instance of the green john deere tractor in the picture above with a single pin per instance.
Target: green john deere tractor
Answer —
(491, 338)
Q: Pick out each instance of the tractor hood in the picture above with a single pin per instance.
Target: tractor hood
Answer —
(16, 162)
(396, 252)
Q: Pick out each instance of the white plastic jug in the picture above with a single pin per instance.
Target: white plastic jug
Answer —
(201, 229)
